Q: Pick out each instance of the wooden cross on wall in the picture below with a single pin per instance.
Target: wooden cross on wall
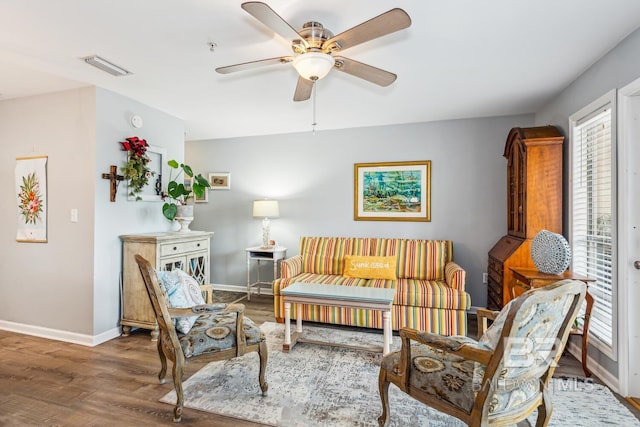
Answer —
(115, 180)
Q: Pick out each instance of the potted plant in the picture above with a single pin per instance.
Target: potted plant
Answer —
(177, 193)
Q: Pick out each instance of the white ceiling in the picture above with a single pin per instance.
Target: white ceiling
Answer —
(459, 58)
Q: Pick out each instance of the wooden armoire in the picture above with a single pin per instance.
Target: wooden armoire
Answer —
(534, 203)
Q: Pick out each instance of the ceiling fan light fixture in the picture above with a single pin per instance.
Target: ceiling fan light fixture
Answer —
(313, 65)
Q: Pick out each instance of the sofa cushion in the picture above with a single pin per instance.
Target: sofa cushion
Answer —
(215, 332)
(370, 267)
(417, 259)
(325, 255)
(430, 293)
(330, 279)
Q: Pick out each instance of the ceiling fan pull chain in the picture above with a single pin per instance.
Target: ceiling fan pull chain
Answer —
(313, 124)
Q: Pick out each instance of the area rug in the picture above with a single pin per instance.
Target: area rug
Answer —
(317, 385)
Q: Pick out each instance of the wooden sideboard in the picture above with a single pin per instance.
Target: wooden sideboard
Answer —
(165, 251)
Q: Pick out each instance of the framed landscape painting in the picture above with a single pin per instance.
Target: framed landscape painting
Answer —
(392, 191)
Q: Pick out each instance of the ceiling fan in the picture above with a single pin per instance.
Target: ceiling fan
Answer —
(315, 47)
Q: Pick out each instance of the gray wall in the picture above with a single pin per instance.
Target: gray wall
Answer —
(50, 285)
(69, 287)
(124, 216)
(615, 70)
(312, 177)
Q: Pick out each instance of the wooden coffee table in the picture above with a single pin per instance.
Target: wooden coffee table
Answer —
(379, 299)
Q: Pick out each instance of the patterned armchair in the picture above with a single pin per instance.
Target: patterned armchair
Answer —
(219, 332)
(499, 379)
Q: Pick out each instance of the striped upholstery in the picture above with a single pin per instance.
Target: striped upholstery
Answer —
(325, 255)
(329, 279)
(291, 267)
(445, 322)
(430, 293)
(409, 292)
(430, 289)
(455, 275)
(417, 259)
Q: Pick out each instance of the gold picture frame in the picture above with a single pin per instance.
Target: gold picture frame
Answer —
(392, 191)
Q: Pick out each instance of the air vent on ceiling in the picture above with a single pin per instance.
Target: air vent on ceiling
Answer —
(105, 65)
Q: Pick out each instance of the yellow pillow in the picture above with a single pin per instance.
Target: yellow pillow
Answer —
(370, 267)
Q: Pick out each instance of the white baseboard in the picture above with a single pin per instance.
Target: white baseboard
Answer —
(59, 335)
(609, 380)
(94, 340)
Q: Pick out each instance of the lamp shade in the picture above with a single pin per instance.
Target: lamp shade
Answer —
(266, 209)
(313, 65)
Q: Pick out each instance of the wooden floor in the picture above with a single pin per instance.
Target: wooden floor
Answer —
(52, 383)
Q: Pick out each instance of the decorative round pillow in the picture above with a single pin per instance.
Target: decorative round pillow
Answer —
(550, 252)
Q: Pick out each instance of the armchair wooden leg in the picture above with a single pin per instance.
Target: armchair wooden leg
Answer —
(262, 352)
(544, 411)
(178, 371)
(383, 388)
(163, 362)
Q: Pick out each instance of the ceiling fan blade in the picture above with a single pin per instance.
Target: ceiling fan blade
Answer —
(263, 13)
(253, 64)
(364, 71)
(387, 23)
(303, 89)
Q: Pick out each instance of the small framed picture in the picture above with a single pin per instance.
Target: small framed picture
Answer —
(220, 180)
(204, 199)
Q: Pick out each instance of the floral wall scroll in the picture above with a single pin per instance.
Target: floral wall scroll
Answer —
(31, 198)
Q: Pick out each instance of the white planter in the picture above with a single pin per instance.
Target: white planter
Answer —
(184, 217)
(185, 211)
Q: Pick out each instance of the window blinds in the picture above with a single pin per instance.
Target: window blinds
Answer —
(592, 211)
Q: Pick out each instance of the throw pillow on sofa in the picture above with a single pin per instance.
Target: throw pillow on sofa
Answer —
(183, 291)
(370, 267)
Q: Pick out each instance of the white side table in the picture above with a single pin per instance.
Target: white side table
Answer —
(259, 254)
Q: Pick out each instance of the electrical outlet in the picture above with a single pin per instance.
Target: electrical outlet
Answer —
(485, 278)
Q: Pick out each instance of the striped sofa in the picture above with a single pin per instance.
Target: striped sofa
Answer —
(430, 293)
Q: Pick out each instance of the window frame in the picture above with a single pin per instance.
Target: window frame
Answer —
(608, 99)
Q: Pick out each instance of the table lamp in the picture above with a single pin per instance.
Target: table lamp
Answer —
(265, 209)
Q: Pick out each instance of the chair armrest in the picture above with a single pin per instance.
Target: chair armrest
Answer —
(235, 308)
(482, 314)
(208, 308)
(240, 337)
(196, 310)
(291, 267)
(205, 308)
(461, 346)
(455, 276)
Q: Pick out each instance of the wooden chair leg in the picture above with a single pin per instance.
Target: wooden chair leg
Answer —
(383, 388)
(163, 362)
(178, 371)
(544, 411)
(262, 352)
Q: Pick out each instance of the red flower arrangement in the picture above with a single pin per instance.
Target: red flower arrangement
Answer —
(135, 170)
